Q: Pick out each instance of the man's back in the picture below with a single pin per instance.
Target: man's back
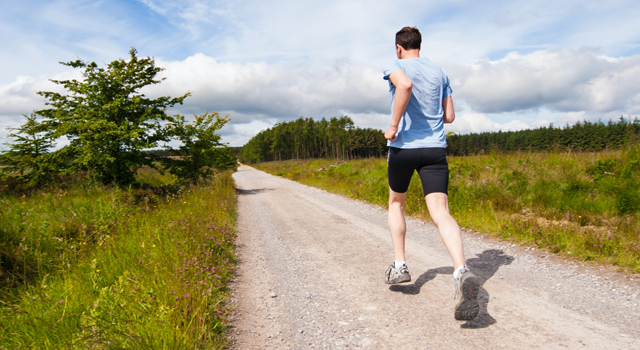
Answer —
(422, 123)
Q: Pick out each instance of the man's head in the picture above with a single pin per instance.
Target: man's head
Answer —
(409, 38)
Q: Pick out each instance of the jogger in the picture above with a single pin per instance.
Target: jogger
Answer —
(421, 103)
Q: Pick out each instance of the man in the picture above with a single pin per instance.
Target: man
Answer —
(420, 104)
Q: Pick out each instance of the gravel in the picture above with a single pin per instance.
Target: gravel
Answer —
(310, 276)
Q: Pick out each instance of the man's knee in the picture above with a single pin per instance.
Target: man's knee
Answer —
(396, 199)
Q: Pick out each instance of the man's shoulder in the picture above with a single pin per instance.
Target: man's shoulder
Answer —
(390, 66)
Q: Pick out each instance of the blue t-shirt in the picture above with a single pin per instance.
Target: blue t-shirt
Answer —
(421, 126)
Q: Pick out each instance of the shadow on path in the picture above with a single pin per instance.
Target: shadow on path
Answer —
(243, 192)
(484, 266)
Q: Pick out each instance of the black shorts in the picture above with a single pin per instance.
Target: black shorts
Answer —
(431, 164)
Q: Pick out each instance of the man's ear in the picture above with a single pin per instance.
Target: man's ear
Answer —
(399, 50)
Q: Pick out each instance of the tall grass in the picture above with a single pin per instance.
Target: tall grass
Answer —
(98, 267)
(584, 205)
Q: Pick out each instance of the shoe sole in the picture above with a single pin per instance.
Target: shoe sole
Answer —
(408, 279)
(468, 307)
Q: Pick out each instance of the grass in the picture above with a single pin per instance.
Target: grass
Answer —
(89, 266)
(583, 205)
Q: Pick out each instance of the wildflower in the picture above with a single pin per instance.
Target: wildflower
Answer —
(176, 298)
(154, 246)
(186, 296)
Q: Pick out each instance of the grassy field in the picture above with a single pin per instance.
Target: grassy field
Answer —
(583, 205)
(89, 266)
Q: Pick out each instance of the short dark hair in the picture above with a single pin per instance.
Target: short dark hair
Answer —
(409, 38)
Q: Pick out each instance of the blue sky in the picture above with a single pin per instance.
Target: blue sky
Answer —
(513, 64)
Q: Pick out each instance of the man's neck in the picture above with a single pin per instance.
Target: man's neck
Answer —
(409, 54)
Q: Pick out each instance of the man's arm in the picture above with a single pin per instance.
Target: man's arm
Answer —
(403, 85)
(449, 113)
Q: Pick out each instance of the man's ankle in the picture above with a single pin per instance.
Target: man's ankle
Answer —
(459, 270)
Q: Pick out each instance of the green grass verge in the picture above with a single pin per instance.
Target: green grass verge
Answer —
(583, 205)
(97, 267)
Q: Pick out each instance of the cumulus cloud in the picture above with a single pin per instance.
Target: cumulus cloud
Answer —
(469, 122)
(281, 90)
(566, 80)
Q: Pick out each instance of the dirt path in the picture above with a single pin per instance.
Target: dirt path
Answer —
(311, 268)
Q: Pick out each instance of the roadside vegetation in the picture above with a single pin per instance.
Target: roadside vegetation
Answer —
(93, 266)
(105, 240)
(584, 205)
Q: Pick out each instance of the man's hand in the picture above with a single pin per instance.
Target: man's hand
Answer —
(390, 134)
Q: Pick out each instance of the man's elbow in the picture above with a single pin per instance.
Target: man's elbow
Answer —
(449, 118)
(405, 85)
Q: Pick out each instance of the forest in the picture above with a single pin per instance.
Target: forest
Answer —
(582, 136)
(305, 138)
(338, 138)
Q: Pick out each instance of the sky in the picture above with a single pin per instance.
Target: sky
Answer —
(512, 64)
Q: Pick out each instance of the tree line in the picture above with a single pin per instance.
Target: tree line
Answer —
(306, 138)
(108, 128)
(582, 136)
(339, 138)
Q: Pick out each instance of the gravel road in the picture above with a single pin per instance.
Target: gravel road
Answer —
(310, 275)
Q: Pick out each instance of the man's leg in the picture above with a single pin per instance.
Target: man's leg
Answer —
(466, 283)
(397, 225)
(438, 204)
(397, 272)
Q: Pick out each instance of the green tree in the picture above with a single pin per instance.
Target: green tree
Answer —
(28, 156)
(201, 149)
(108, 122)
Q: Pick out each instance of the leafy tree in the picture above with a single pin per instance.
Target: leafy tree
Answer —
(28, 156)
(106, 119)
(201, 149)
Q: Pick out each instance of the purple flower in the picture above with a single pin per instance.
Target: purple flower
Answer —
(187, 295)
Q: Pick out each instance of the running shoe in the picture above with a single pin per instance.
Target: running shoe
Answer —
(399, 275)
(467, 287)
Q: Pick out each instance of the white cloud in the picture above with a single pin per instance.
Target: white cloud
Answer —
(473, 122)
(567, 80)
(283, 90)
